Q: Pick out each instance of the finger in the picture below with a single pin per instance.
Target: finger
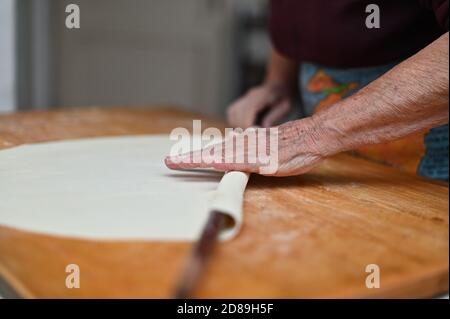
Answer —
(237, 110)
(230, 115)
(276, 114)
(222, 167)
(244, 110)
(182, 161)
(220, 157)
(232, 118)
(258, 104)
(197, 159)
(174, 164)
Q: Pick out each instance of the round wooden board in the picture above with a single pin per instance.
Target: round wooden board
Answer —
(310, 236)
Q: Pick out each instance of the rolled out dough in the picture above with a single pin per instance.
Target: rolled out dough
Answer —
(112, 189)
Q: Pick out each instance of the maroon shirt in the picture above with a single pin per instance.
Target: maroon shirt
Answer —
(334, 32)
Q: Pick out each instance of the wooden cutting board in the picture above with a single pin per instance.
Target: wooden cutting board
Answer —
(308, 236)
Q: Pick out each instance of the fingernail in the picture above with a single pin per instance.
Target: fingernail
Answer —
(169, 162)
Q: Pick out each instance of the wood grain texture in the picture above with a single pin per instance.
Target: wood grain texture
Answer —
(309, 236)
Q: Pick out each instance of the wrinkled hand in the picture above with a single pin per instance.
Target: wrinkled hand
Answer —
(275, 99)
(298, 151)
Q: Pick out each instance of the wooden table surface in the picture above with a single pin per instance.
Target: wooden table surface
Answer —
(305, 236)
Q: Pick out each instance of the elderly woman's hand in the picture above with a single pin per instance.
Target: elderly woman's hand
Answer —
(273, 100)
(290, 149)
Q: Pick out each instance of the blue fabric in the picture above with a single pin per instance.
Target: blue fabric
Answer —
(436, 160)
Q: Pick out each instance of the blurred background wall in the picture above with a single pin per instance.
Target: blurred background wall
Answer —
(7, 69)
(198, 54)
